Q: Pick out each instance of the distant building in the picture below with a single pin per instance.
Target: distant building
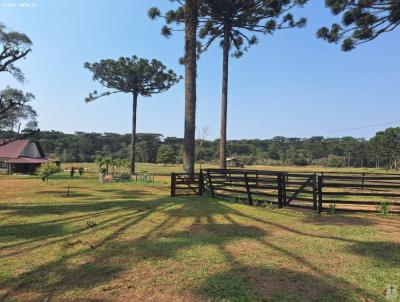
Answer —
(234, 162)
(21, 156)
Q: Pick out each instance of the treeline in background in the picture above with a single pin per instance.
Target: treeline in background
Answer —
(381, 151)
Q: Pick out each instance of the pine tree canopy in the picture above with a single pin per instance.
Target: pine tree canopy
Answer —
(243, 18)
(362, 21)
(14, 46)
(14, 109)
(131, 75)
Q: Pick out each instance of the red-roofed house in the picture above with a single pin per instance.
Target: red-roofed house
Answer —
(21, 156)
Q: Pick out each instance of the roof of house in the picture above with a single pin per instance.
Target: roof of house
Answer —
(26, 160)
(14, 149)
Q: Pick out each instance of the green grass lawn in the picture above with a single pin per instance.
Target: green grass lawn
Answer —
(177, 168)
(132, 242)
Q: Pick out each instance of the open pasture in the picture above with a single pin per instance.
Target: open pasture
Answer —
(127, 242)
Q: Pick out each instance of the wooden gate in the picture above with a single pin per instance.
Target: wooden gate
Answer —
(185, 184)
(301, 190)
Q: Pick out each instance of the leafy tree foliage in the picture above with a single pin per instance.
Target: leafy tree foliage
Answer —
(14, 109)
(166, 155)
(301, 157)
(135, 76)
(13, 102)
(381, 151)
(362, 21)
(14, 46)
(46, 170)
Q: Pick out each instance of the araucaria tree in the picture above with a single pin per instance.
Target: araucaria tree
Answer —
(362, 21)
(14, 107)
(135, 76)
(187, 13)
(234, 24)
(14, 46)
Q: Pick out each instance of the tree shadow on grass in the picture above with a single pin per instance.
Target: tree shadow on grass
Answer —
(65, 193)
(56, 230)
(246, 283)
(166, 246)
(30, 210)
(340, 220)
(381, 252)
(122, 194)
(112, 255)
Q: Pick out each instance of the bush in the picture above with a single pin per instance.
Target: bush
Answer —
(384, 208)
(336, 161)
(166, 155)
(302, 158)
(47, 169)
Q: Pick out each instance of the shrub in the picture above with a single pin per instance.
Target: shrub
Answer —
(302, 157)
(81, 170)
(47, 169)
(332, 209)
(384, 208)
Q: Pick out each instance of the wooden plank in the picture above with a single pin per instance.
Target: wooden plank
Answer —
(280, 191)
(360, 202)
(173, 184)
(365, 186)
(263, 187)
(360, 177)
(210, 183)
(377, 194)
(315, 192)
(250, 199)
(299, 190)
(320, 193)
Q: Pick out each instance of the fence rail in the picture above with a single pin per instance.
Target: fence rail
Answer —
(317, 191)
(363, 192)
(185, 184)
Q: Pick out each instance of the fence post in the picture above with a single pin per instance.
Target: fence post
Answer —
(285, 180)
(249, 198)
(280, 196)
(210, 182)
(315, 192)
(173, 185)
(362, 182)
(320, 186)
(201, 183)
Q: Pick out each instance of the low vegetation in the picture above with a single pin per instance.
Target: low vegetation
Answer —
(132, 241)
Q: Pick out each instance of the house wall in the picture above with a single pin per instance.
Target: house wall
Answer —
(4, 168)
(31, 150)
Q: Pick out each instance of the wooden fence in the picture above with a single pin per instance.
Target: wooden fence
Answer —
(184, 184)
(317, 191)
(361, 192)
(253, 186)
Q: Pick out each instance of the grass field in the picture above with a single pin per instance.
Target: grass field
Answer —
(167, 169)
(131, 242)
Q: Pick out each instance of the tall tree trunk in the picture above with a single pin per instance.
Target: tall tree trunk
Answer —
(224, 99)
(133, 138)
(191, 22)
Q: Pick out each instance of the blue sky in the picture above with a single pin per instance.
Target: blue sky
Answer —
(290, 84)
